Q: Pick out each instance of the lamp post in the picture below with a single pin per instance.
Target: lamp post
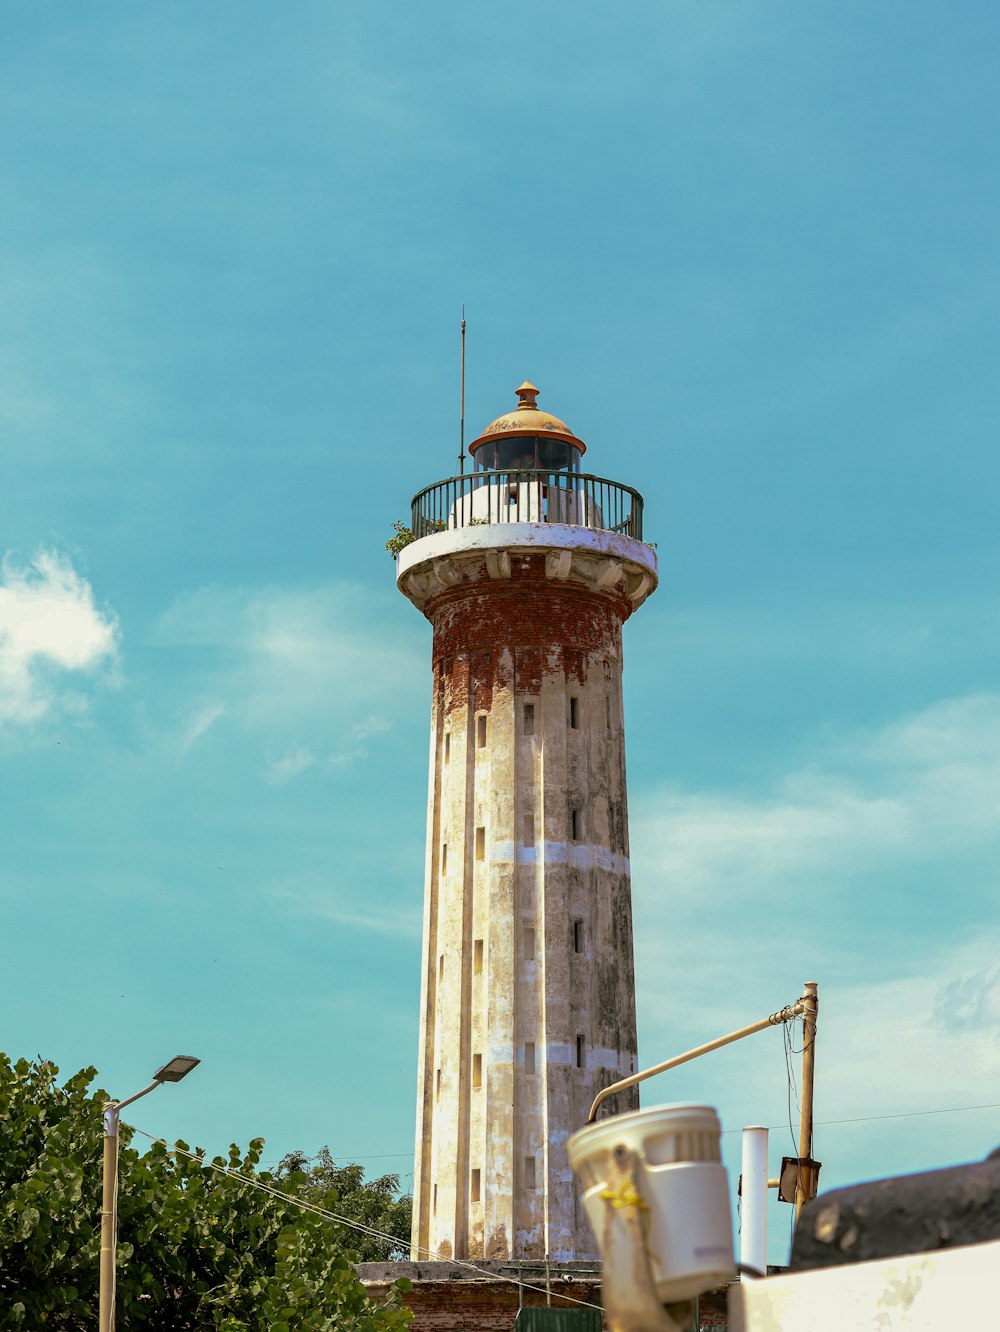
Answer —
(178, 1067)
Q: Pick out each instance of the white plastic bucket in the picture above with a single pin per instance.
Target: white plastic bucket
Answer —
(681, 1180)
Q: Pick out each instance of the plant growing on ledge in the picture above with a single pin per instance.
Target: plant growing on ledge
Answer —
(403, 534)
(402, 538)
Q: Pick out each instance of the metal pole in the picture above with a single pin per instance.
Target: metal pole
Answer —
(753, 1227)
(811, 1009)
(461, 409)
(109, 1219)
(109, 1208)
(775, 1019)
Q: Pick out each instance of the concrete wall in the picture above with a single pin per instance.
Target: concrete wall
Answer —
(528, 1004)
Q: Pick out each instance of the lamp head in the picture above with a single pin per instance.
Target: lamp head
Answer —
(178, 1067)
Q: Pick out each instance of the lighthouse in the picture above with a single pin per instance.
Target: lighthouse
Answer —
(526, 567)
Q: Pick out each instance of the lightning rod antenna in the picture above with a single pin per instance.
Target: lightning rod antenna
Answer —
(461, 409)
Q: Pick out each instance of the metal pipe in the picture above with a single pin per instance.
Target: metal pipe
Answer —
(806, 1179)
(753, 1195)
(775, 1020)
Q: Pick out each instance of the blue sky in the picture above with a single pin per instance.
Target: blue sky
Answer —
(750, 253)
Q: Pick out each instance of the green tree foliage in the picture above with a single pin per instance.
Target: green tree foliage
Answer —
(375, 1202)
(197, 1250)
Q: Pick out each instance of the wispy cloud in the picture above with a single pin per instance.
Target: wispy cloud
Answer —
(283, 769)
(198, 723)
(50, 628)
(323, 902)
(873, 871)
(295, 670)
(895, 796)
(351, 749)
(971, 1003)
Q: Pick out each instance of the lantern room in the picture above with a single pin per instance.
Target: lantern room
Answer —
(527, 439)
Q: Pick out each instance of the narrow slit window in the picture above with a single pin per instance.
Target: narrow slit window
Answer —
(529, 1172)
(441, 968)
(477, 957)
(607, 702)
(529, 830)
(581, 1052)
(529, 1056)
(576, 824)
(578, 936)
(444, 858)
(477, 1070)
(480, 843)
(437, 1084)
(529, 943)
(435, 1203)
(447, 746)
(476, 1186)
(529, 719)
(574, 714)
(481, 731)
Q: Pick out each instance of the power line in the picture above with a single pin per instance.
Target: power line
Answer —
(863, 1119)
(346, 1221)
(912, 1114)
(906, 1114)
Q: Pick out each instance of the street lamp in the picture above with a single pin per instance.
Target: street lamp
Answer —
(178, 1067)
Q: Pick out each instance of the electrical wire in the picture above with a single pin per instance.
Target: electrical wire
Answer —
(786, 1033)
(351, 1157)
(371, 1231)
(904, 1114)
(793, 1090)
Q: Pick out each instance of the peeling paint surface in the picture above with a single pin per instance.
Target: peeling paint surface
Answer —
(528, 993)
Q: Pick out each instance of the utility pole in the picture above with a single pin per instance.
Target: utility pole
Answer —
(109, 1219)
(178, 1067)
(806, 1181)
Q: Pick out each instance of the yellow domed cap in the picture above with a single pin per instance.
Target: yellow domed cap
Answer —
(527, 419)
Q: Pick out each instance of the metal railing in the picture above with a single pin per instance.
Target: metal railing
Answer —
(527, 496)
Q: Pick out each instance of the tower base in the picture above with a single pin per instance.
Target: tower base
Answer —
(449, 1297)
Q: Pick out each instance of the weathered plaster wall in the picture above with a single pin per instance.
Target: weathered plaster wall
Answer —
(528, 991)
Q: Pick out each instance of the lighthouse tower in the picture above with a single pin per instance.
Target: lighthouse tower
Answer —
(526, 567)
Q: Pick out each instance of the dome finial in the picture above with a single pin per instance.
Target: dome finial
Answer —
(527, 420)
(527, 394)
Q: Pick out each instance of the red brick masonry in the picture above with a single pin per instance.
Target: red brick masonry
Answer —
(450, 1298)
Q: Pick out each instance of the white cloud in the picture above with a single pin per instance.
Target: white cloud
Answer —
(50, 626)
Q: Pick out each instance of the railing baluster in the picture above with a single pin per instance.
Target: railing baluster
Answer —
(536, 495)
